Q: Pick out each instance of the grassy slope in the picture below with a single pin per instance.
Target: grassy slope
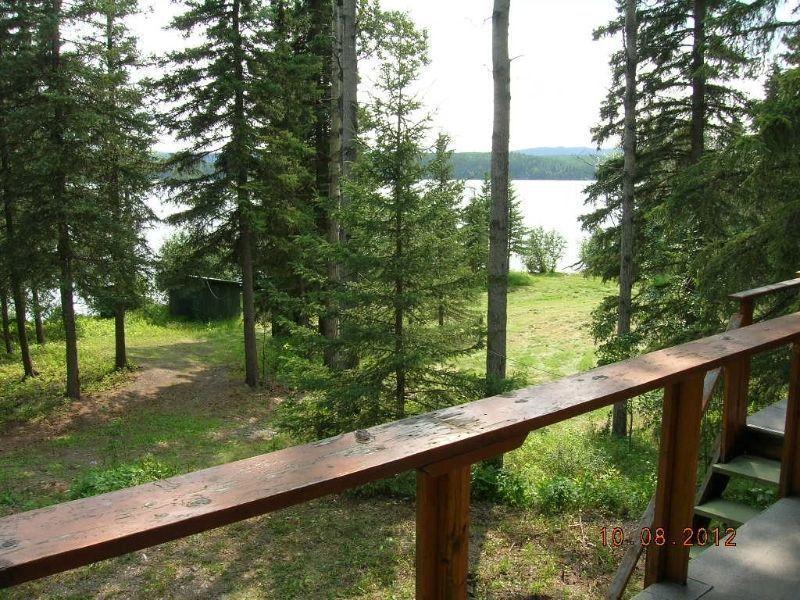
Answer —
(573, 481)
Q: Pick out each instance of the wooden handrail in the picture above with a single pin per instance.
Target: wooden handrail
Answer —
(58, 538)
(743, 318)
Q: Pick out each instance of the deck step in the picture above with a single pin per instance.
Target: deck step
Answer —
(756, 468)
(727, 511)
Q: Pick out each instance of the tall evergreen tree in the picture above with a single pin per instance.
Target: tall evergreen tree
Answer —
(449, 254)
(17, 62)
(394, 221)
(66, 151)
(216, 88)
(690, 54)
(115, 279)
(476, 221)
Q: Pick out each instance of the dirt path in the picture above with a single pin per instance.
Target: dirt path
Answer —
(175, 377)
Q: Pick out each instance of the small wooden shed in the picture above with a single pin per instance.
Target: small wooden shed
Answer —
(206, 299)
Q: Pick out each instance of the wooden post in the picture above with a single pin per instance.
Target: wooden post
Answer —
(746, 309)
(790, 465)
(677, 480)
(443, 535)
(734, 408)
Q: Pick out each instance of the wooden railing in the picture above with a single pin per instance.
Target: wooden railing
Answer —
(440, 446)
(737, 376)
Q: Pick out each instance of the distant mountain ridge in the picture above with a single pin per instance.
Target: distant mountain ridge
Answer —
(554, 164)
(566, 151)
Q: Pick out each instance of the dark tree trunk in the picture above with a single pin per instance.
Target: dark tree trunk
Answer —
(245, 228)
(17, 290)
(64, 251)
(41, 339)
(248, 305)
(330, 325)
(120, 349)
(115, 201)
(6, 323)
(399, 290)
(698, 81)
(620, 415)
(498, 229)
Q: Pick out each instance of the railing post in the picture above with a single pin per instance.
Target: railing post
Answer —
(677, 480)
(734, 408)
(443, 534)
(746, 309)
(790, 465)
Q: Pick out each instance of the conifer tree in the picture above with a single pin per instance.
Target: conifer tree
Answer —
(688, 107)
(115, 280)
(65, 155)
(17, 89)
(393, 221)
(217, 87)
(449, 254)
(476, 217)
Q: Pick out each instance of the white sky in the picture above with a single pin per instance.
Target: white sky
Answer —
(559, 74)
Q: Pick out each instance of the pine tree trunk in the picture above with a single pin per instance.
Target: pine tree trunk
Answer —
(330, 321)
(120, 349)
(37, 318)
(64, 249)
(620, 416)
(399, 290)
(245, 228)
(6, 322)
(115, 201)
(17, 291)
(68, 308)
(248, 304)
(498, 229)
(349, 89)
(698, 126)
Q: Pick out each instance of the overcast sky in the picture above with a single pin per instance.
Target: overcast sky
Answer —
(559, 74)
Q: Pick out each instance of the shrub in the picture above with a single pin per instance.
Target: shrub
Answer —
(100, 481)
(542, 250)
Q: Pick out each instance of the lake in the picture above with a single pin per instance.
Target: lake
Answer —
(549, 204)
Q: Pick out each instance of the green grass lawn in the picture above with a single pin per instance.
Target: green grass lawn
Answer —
(186, 409)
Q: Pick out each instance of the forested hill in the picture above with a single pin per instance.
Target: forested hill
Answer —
(475, 165)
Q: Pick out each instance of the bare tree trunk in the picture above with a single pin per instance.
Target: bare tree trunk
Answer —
(64, 250)
(349, 90)
(37, 318)
(497, 316)
(619, 421)
(115, 201)
(243, 200)
(17, 291)
(330, 325)
(698, 127)
(6, 323)
(120, 349)
(343, 147)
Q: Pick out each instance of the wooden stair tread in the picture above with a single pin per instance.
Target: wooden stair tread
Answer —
(756, 468)
(770, 420)
(727, 511)
(765, 563)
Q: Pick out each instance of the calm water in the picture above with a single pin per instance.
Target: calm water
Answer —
(550, 204)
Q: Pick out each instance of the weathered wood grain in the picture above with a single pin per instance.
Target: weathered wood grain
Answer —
(443, 535)
(49, 540)
(677, 473)
(790, 465)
